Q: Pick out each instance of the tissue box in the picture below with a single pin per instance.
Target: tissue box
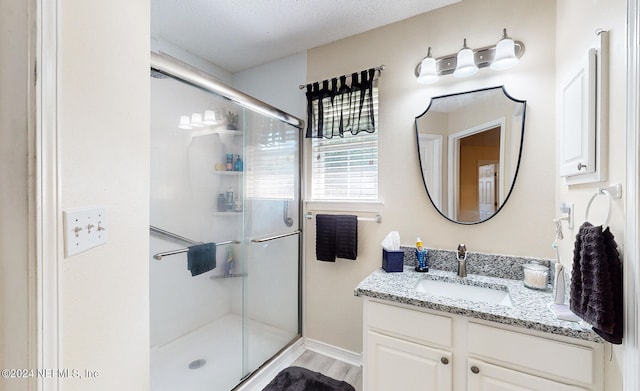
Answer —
(392, 261)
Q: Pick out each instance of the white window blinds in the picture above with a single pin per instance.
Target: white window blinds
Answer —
(346, 168)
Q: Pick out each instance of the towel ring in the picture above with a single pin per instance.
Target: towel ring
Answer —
(593, 197)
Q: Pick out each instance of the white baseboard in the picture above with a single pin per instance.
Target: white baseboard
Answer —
(262, 377)
(334, 352)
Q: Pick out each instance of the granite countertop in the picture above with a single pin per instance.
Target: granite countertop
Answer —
(530, 307)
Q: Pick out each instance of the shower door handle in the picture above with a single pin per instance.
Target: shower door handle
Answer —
(274, 237)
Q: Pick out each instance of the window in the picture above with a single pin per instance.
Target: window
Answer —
(273, 159)
(346, 168)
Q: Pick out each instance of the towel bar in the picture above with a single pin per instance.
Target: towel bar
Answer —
(276, 237)
(159, 256)
(377, 219)
(171, 235)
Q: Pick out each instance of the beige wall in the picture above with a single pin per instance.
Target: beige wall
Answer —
(524, 225)
(538, 191)
(104, 145)
(577, 23)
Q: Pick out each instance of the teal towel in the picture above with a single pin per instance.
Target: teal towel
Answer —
(201, 258)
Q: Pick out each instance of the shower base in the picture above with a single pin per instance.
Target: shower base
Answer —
(211, 357)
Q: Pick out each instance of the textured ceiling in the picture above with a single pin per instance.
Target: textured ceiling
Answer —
(240, 34)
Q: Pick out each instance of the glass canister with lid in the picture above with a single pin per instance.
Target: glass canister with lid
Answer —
(536, 276)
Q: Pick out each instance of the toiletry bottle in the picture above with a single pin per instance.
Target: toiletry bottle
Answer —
(229, 200)
(229, 165)
(228, 265)
(421, 255)
(558, 285)
(238, 164)
(221, 205)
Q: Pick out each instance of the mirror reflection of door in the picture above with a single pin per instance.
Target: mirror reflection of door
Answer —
(431, 160)
(459, 133)
(478, 153)
(487, 178)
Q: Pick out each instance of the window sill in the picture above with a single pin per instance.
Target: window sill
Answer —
(344, 206)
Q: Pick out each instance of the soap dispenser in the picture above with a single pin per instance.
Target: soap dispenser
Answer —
(421, 255)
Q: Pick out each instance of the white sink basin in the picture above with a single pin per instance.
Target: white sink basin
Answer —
(455, 290)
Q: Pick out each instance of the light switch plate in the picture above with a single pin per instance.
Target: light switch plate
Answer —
(84, 228)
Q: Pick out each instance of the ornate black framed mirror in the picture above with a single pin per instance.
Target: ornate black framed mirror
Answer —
(469, 149)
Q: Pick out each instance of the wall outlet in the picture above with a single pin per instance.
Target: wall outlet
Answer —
(84, 228)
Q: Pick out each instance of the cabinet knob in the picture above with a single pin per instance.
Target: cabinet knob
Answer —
(475, 369)
(581, 166)
(444, 360)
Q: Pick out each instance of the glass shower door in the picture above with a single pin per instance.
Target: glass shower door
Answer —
(271, 207)
(196, 191)
(236, 186)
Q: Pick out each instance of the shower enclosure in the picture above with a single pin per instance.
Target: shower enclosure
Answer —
(225, 169)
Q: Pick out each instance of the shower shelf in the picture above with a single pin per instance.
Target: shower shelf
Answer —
(208, 131)
(229, 173)
(227, 131)
(222, 276)
(235, 214)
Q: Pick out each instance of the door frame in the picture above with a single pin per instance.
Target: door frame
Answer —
(453, 191)
(48, 222)
(631, 272)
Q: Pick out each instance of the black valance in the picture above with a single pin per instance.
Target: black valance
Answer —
(336, 106)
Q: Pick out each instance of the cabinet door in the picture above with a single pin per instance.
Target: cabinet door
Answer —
(487, 377)
(392, 364)
(578, 135)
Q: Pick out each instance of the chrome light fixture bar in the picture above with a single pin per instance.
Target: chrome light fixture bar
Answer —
(483, 57)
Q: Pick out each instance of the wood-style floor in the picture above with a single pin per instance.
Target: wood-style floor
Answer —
(331, 367)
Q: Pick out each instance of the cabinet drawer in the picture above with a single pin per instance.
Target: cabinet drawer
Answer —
(414, 324)
(487, 377)
(573, 362)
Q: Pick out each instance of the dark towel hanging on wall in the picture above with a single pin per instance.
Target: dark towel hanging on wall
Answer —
(336, 236)
(347, 237)
(326, 238)
(201, 258)
(596, 282)
(339, 107)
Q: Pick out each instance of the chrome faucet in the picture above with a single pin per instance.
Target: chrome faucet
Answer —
(462, 260)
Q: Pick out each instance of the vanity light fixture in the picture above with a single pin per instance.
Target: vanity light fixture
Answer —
(200, 120)
(505, 54)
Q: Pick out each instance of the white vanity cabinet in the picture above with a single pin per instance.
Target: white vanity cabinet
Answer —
(406, 349)
(397, 364)
(410, 348)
